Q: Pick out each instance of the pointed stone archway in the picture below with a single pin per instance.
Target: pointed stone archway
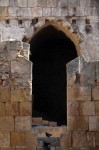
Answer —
(50, 50)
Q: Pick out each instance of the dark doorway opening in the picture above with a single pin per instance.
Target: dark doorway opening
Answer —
(50, 50)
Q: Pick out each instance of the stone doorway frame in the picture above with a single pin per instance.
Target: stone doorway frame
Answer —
(62, 27)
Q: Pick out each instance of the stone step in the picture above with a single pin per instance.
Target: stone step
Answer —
(36, 121)
(52, 124)
(45, 123)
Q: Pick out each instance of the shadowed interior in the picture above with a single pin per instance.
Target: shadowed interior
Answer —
(50, 50)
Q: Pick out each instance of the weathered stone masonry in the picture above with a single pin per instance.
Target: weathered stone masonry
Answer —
(15, 95)
(83, 103)
(22, 19)
(15, 101)
(79, 17)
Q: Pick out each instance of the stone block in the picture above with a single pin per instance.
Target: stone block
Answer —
(16, 80)
(31, 141)
(77, 123)
(64, 11)
(3, 11)
(22, 67)
(4, 139)
(6, 123)
(41, 3)
(80, 139)
(26, 47)
(87, 108)
(12, 109)
(63, 3)
(94, 123)
(46, 11)
(52, 124)
(18, 139)
(5, 67)
(78, 93)
(37, 12)
(71, 11)
(14, 11)
(97, 66)
(22, 3)
(37, 120)
(2, 109)
(40, 23)
(26, 12)
(52, 3)
(72, 108)
(14, 45)
(4, 94)
(45, 123)
(26, 50)
(12, 54)
(95, 93)
(1, 82)
(56, 12)
(13, 3)
(2, 47)
(97, 139)
(91, 139)
(5, 76)
(25, 108)
(23, 123)
(80, 67)
(32, 3)
(65, 140)
(4, 3)
(85, 11)
(20, 94)
(97, 107)
(85, 3)
(74, 2)
(6, 83)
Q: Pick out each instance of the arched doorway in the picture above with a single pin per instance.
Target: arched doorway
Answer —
(50, 50)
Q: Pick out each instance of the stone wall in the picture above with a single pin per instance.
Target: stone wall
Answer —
(23, 18)
(15, 96)
(82, 131)
(82, 105)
